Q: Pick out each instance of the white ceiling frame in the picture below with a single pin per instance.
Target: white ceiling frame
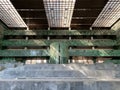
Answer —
(109, 15)
(59, 12)
(10, 16)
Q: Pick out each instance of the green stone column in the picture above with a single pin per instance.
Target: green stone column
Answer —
(54, 53)
(64, 55)
(0, 41)
(58, 53)
(1, 35)
(3, 27)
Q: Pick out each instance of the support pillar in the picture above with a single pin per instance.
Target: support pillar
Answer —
(64, 55)
(54, 53)
(94, 60)
(92, 46)
(59, 53)
(26, 38)
(2, 28)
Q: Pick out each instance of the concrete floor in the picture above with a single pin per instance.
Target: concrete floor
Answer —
(61, 77)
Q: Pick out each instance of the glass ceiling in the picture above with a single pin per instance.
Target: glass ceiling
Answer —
(109, 15)
(59, 12)
(9, 15)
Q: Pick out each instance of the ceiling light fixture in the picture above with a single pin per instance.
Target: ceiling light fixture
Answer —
(10, 16)
(109, 15)
(57, 10)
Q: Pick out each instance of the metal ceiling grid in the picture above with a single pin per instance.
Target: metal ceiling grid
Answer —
(9, 15)
(59, 12)
(109, 15)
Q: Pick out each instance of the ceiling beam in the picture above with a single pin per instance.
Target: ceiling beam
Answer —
(82, 9)
(72, 18)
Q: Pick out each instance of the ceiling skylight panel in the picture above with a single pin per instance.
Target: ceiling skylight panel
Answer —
(109, 15)
(112, 12)
(9, 15)
(59, 12)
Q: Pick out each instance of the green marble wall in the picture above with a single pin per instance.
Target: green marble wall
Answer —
(23, 53)
(58, 51)
(95, 53)
(60, 32)
(53, 53)
(68, 42)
